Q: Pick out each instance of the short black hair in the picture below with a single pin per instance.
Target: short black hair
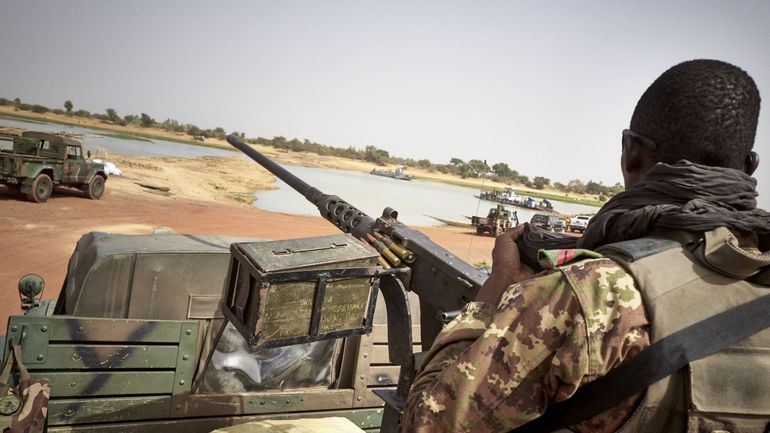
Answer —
(704, 111)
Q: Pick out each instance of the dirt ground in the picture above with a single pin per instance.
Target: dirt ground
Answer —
(39, 238)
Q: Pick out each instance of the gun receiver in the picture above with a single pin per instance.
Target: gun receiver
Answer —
(443, 281)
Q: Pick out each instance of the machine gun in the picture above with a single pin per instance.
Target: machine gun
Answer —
(443, 282)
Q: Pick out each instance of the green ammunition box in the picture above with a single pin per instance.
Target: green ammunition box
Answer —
(295, 291)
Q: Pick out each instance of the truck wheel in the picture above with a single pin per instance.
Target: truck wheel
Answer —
(41, 189)
(95, 188)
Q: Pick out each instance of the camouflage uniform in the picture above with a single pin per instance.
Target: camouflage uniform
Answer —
(495, 368)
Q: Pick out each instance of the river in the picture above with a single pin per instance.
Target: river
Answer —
(414, 200)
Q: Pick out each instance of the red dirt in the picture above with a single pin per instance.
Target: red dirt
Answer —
(39, 238)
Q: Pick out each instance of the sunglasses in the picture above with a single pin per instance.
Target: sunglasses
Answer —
(641, 139)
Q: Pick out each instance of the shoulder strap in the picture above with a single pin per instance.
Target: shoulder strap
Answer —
(635, 249)
(6, 374)
(661, 359)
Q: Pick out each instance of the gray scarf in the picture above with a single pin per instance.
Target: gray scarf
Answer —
(684, 196)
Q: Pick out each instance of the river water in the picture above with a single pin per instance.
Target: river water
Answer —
(414, 200)
(94, 138)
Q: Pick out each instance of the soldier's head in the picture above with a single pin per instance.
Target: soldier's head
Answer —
(704, 111)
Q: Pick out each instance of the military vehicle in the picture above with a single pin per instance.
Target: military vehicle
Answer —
(194, 333)
(35, 162)
(498, 220)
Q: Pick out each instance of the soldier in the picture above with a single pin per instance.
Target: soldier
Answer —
(529, 341)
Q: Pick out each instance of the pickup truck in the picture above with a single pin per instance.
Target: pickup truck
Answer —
(549, 223)
(579, 223)
(34, 162)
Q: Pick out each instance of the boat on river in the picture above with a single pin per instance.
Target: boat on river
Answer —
(395, 174)
(510, 197)
(452, 223)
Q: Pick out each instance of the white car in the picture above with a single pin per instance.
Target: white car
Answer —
(579, 223)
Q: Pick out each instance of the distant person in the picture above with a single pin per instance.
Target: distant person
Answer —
(687, 242)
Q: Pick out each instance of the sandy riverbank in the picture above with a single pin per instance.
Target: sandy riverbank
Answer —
(294, 158)
(205, 197)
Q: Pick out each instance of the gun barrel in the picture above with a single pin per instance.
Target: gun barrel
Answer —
(337, 211)
(293, 181)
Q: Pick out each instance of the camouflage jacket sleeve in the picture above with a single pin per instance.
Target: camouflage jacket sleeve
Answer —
(495, 368)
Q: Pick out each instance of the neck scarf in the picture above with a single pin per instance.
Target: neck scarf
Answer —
(683, 196)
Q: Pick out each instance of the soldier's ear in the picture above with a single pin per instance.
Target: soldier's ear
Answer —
(752, 162)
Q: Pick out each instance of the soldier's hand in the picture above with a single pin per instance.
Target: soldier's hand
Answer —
(507, 268)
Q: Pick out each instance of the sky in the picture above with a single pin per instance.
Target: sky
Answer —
(546, 87)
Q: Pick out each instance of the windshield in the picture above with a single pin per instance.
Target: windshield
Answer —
(235, 368)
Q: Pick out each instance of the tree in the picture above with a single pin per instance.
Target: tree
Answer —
(193, 130)
(37, 108)
(617, 188)
(172, 125)
(295, 144)
(594, 188)
(576, 185)
(280, 142)
(132, 119)
(375, 155)
(501, 169)
(68, 106)
(112, 114)
(456, 161)
(424, 164)
(541, 182)
(17, 101)
(478, 167)
(146, 120)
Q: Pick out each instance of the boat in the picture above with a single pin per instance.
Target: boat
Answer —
(395, 174)
(451, 222)
(510, 197)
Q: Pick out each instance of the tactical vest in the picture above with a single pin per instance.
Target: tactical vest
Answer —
(683, 279)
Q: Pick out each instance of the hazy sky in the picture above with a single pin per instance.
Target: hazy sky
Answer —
(546, 87)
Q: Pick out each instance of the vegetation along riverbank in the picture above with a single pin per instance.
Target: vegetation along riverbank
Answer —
(472, 173)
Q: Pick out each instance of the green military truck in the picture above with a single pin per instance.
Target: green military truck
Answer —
(137, 342)
(34, 162)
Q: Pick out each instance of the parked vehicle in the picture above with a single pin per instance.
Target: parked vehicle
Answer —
(510, 197)
(38, 161)
(579, 223)
(136, 342)
(498, 220)
(550, 223)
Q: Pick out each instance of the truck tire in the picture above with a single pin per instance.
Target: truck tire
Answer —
(95, 188)
(42, 187)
